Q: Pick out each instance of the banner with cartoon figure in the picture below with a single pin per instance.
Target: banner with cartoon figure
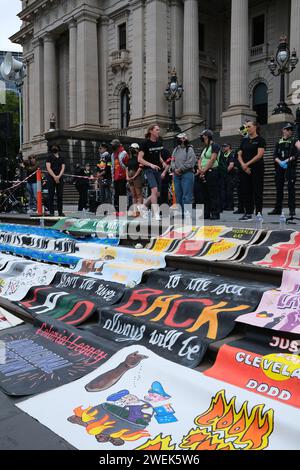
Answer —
(46, 355)
(120, 264)
(71, 299)
(265, 362)
(177, 314)
(135, 401)
(279, 309)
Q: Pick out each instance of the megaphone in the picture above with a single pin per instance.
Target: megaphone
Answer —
(11, 69)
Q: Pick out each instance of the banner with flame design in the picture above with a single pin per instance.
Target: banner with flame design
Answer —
(141, 405)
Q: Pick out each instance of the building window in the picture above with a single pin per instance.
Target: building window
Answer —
(122, 36)
(258, 30)
(125, 108)
(201, 37)
(260, 102)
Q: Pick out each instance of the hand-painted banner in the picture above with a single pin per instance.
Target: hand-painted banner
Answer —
(264, 362)
(176, 314)
(71, 299)
(46, 355)
(120, 264)
(209, 243)
(278, 309)
(40, 255)
(66, 245)
(105, 228)
(7, 320)
(279, 250)
(50, 233)
(19, 276)
(141, 404)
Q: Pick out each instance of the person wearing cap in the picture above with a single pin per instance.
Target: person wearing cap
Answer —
(182, 165)
(208, 174)
(119, 160)
(150, 158)
(103, 173)
(285, 160)
(250, 156)
(135, 178)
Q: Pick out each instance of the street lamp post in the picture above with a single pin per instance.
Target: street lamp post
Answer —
(172, 93)
(283, 63)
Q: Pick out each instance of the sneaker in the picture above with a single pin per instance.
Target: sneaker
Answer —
(246, 218)
(157, 217)
(238, 212)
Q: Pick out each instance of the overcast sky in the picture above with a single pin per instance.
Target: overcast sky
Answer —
(9, 24)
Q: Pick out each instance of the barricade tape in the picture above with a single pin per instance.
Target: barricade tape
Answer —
(18, 183)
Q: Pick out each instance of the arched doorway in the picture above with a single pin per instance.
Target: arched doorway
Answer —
(125, 108)
(260, 102)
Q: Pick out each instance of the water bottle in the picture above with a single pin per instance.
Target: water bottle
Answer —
(282, 221)
(259, 221)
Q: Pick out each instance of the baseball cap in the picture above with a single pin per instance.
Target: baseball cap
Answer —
(135, 146)
(208, 133)
(182, 135)
(288, 126)
(115, 142)
(226, 145)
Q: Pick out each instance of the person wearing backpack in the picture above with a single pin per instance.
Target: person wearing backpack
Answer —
(208, 174)
(119, 161)
(182, 164)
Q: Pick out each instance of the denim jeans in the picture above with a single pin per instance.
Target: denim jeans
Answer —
(32, 189)
(184, 188)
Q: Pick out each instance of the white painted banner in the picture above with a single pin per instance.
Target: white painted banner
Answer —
(137, 401)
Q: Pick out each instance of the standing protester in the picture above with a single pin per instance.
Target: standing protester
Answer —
(250, 156)
(135, 178)
(55, 165)
(119, 160)
(31, 167)
(104, 175)
(151, 159)
(166, 179)
(183, 163)
(208, 174)
(82, 185)
(285, 161)
(228, 176)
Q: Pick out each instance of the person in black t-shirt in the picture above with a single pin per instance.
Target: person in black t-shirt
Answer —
(55, 165)
(150, 158)
(103, 172)
(250, 157)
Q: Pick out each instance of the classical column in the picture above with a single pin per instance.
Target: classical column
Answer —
(26, 98)
(156, 60)
(50, 81)
(103, 63)
(239, 109)
(294, 44)
(176, 44)
(191, 59)
(36, 95)
(138, 48)
(87, 72)
(72, 73)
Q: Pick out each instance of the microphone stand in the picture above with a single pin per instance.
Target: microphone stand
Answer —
(290, 220)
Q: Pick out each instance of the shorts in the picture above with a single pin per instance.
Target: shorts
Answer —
(153, 178)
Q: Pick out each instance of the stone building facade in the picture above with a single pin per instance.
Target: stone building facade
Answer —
(101, 66)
